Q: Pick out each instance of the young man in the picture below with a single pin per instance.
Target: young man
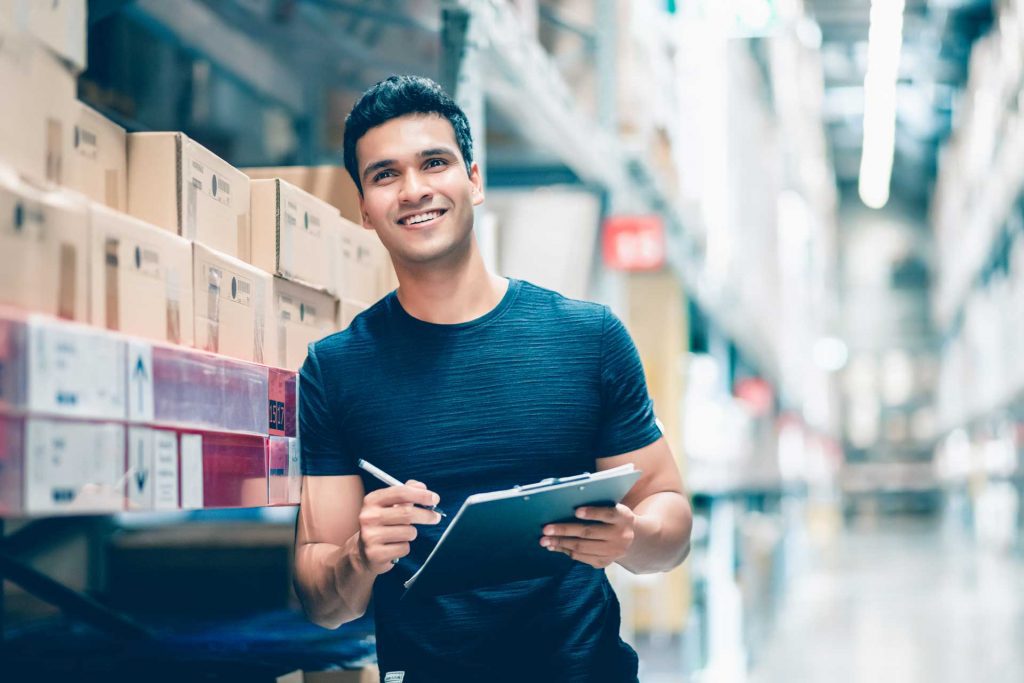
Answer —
(469, 382)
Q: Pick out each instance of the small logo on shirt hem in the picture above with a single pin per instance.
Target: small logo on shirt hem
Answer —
(394, 677)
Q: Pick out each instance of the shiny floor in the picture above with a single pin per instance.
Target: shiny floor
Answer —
(900, 600)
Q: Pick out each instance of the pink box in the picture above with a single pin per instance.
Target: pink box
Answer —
(221, 470)
(13, 368)
(12, 448)
(196, 389)
(282, 402)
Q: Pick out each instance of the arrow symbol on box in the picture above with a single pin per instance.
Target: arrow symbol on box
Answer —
(140, 376)
(140, 479)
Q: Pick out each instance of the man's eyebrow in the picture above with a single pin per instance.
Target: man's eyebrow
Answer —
(438, 151)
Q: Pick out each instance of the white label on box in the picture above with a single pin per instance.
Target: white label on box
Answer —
(207, 180)
(191, 471)
(73, 467)
(140, 381)
(75, 371)
(165, 470)
(140, 468)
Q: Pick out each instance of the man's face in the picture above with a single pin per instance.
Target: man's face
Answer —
(416, 192)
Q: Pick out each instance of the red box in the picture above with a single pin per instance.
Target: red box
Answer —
(13, 368)
(221, 470)
(12, 446)
(281, 405)
(284, 477)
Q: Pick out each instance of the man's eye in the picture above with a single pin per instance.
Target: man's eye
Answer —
(382, 175)
(435, 163)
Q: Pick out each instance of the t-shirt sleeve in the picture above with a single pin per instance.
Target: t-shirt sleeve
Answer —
(627, 411)
(323, 450)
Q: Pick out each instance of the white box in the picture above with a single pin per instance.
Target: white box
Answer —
(152, 476)
(141, 278)
(291, 233)
(179, 185)
(58, 24)
(96, 157)
(349, 310)
(43, 250)
(74, 467)
(75, 371)
(362, 264)
(233, 307)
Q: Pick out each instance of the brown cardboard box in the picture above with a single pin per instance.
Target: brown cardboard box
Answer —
(96, 157)
(348, 311)
(43, 249)
(301, 315)
(329, 183)
(38, 93)
(363, 270)
(179, 185)
(291, 233)
(369, 674)
(140, 278)
(58, 24)
(232, 307)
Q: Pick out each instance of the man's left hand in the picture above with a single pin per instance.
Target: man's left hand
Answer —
(604, 538)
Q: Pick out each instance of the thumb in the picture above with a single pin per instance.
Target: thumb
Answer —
(416, 484)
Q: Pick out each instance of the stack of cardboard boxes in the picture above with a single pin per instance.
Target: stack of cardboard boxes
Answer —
(208, 276)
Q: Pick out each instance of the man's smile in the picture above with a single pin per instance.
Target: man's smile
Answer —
(421, 218)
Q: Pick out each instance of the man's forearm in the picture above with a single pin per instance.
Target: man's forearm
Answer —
(662, 541)
(332, 584)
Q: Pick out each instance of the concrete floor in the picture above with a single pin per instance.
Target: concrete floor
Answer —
(889, 600)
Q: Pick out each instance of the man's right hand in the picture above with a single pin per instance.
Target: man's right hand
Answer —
(386, 523)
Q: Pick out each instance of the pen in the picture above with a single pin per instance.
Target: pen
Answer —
(391, 481)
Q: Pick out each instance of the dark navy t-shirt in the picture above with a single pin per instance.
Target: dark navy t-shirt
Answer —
(541, 386)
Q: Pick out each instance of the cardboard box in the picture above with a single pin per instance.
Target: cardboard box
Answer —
(233, 307)
(284, 472)
(370, 674)
(75, 371)
(58, 24)
(349, 310)
(301, 315)
(96, 157)
(177, 387)
(32, 138)
(223, 470)
(43, 240)
(73, 467)
(332, 184)
(179, 185)
(13, 368)
(152, 475)
(291, 232)
(361, 271)
(141, 278)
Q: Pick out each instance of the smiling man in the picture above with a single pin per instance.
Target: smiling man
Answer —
(459, 382)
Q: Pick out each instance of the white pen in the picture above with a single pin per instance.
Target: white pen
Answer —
(391, 481)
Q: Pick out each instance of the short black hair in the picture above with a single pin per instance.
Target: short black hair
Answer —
(397, 96)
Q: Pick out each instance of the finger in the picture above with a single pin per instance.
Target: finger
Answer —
(575, 545)
(383, 556)
(594, 530)
(397, 495)
(416, 484)
(385, 535)
(600, 513)
(595, 561)
(407, 514)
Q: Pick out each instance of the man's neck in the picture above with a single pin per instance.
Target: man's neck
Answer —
(458, 293)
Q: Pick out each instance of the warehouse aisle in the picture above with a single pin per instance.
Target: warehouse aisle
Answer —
(900, 600)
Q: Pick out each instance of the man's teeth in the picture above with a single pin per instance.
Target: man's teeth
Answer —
(422, 217)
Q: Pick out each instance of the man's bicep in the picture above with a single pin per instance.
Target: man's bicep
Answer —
(329, 509)
(659, 471)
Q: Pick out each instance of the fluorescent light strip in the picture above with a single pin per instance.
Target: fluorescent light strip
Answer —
(885, 41)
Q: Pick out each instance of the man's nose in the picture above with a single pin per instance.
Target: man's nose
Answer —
(414, 189)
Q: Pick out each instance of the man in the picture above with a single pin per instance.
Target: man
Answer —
(469, 382)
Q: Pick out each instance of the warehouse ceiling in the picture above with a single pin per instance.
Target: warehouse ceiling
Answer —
(937, 39)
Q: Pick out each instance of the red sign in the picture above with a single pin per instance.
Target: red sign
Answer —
(634, 242)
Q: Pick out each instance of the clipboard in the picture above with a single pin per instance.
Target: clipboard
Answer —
(495, 537)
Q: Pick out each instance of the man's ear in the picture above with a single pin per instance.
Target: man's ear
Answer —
(364, 218)
(476, 178)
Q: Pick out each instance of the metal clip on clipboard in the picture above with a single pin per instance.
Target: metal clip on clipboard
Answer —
(551, 481)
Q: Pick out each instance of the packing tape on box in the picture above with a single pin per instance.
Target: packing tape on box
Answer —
(192, 199)
(213, 285)
(54, 150)
(66, 282)
(174, 289)
(111, 280)
(259, 322)
(113, 181)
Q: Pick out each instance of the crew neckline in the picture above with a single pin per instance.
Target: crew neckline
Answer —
(503, 305)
